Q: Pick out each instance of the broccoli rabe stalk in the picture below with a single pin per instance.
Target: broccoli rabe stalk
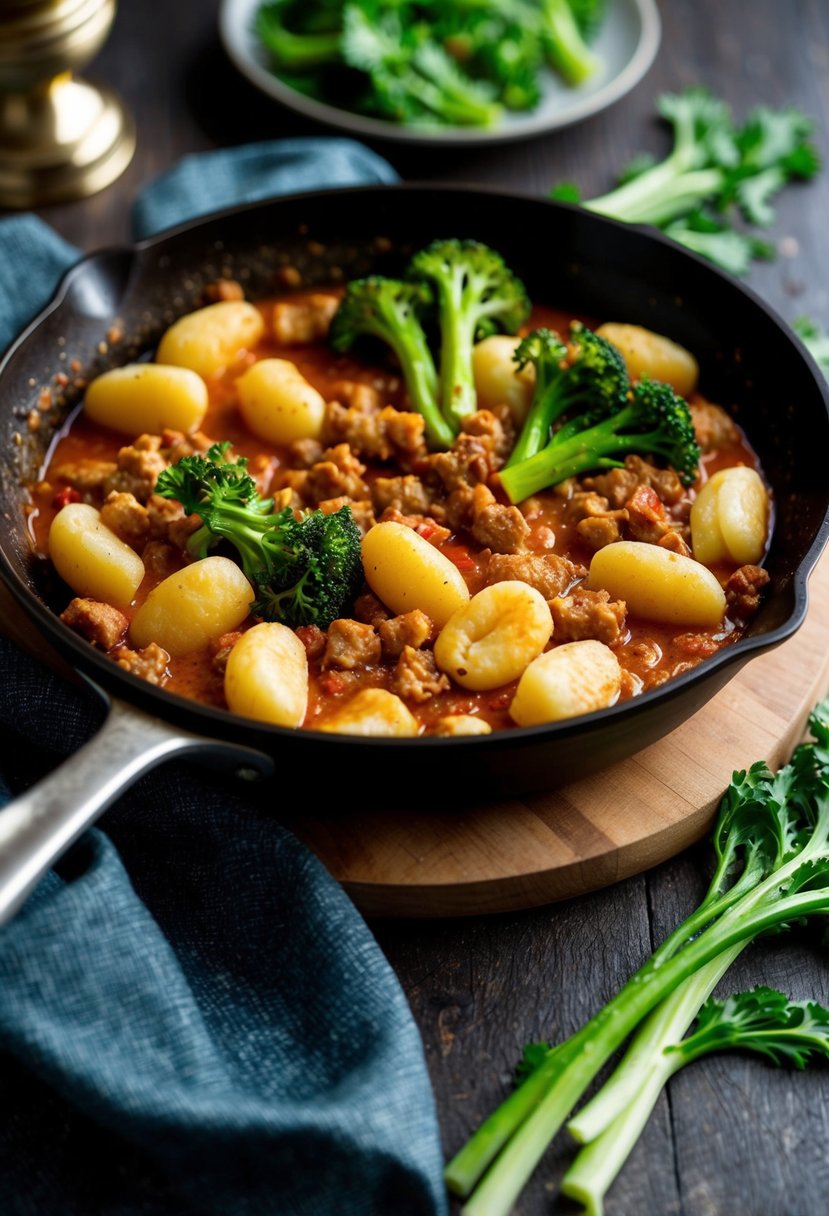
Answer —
(775, 828)
(715, 171)
(594, 376)
(295, 51)
(391, 310)
(305, 571)
(566, 47)
(655, 421)
(413, 79)
(477, 294)
(762, 1020)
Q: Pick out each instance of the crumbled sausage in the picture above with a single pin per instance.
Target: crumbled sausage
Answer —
(600, 530)
(85, 475)
(303, 453)
(351, 644)
(139, 466)
(220, 649)
(362, 397)
(588, 614)
(713, 427)
(298, 322)
(160, 559)
(101, 624)
(618, 485)
(363, 431)
(647, 518)
(313, 639)
(370, 610)
(548, 572)
(127, 518)
(743, 591)
(676, 543)
(500, 528)
(416, 676)
(696, 645)
(497, 432)
(362, 512)
(338, 473)
(149, 664)
(412, 629)
(406, 494)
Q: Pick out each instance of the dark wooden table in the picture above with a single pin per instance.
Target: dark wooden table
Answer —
(732, 1135)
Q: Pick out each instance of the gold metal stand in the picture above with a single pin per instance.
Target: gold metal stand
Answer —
(60, 137)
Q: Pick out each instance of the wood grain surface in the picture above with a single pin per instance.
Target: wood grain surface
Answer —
(458, 861)
(730, 1135)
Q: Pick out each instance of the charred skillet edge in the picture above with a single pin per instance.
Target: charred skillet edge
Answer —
(693, 687)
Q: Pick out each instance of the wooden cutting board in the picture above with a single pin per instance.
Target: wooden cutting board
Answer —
(459, 861)
(449, 861)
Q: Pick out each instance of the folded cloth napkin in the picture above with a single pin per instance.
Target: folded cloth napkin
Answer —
(194, 1019)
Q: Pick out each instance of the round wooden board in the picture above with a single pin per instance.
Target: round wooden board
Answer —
(449, 861)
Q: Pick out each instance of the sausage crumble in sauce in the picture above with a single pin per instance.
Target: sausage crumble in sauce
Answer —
(370, 454)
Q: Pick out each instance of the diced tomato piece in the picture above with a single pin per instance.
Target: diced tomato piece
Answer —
(63, 497)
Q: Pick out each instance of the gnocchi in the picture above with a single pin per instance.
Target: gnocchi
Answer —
(266, 676)
(91, 558)
(490, 640)
(407, 572)
(191, 607)
(649, 354)
(454, 725)
(575, 678)
(658, 584)
(278, 404)
(212, 338)
(147, 397)
(498, 380)
(374, 711)
(730, 518)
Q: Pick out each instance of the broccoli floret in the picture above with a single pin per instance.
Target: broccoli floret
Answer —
(413, 79)
(564, 40)
(594, 375)
(477, 294)
(296, 50)
(655, 421)
(305, 571)
(391, 310)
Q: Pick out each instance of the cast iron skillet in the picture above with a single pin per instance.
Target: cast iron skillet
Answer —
(751, 363)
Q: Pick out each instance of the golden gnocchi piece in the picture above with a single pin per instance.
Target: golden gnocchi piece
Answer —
(649, 354)
(576, 678)
(278, 404)
(91, 558)
(497, 378)
(191, 607)
(266, 677)
(490, 640)
(730, 518)
(374, 711)
(658, 584)
(406, 572)
(147, 397)
(210, 339)
(452, 725)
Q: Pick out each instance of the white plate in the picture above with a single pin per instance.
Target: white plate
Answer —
(627, 44)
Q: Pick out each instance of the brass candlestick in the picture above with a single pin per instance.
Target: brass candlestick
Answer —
(60, 137)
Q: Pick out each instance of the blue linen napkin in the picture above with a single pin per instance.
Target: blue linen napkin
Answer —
(194, 1019)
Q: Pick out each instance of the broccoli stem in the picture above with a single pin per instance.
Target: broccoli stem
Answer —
(421, 379)
(566, 48)
(297, 52)
(658, 195)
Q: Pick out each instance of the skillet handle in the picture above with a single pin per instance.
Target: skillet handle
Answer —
(37, 828)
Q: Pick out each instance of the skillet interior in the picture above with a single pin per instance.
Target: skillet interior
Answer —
(751, 364)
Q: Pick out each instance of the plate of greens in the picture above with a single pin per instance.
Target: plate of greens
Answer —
(443, 71)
